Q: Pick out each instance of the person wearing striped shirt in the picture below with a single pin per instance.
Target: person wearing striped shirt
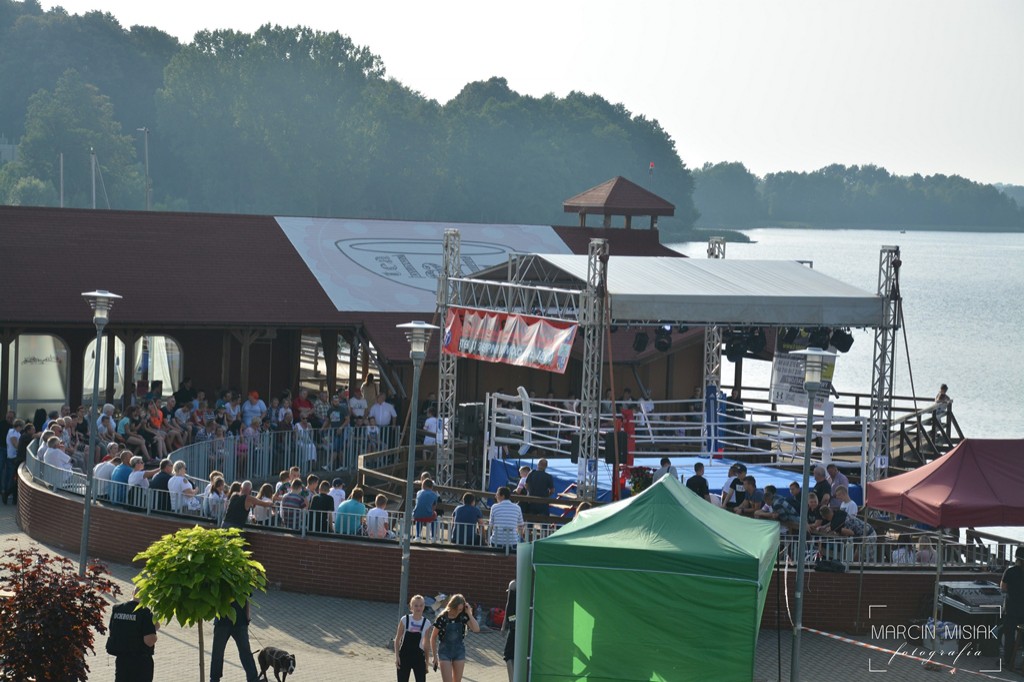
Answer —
(506, 520)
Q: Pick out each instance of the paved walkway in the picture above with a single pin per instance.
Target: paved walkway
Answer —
(340, 639)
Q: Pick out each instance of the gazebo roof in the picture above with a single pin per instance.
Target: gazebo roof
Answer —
(618, 196)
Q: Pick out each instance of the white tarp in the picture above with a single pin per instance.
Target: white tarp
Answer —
(728, 292)
(392, 266)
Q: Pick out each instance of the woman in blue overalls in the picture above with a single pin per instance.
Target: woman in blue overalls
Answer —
(448, 638)
(411, 642)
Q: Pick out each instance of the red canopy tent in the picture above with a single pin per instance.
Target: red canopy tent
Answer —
(977, 483)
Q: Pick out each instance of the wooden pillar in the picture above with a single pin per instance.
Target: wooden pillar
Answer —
(77, 345)
(583, 218)
(329, 339)
(654, 222)
(245, 338)
(129, 337)
(110, 351)
(607, 220)
(6, 339)
(225, 362)
(629, 222)
(365, 368)
(353, 355)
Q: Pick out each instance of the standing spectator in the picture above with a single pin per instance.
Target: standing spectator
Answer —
(253, 409)
(506, 520)
(337, 492)
(383, 411)
(377, 525)
(424, 512)
(293, 504)
(524, 473)
(904, 553)
(185, 392)
(697, 483)
(430, 426)
(223, 629)
(842, 501)
(448, 637)
(348, 517)
(943, 400)
(357, 403)
(540, 484)
(836, 479)
(304, 440)
(411, 647)
(338, 420)
(666, 470)
(301, 406)
(369, 390)
(321, 509)
(131, 639)
(822, 488)
(468, 522)
(262, 513)
(509, 625)
(13, 437)
(321, 406)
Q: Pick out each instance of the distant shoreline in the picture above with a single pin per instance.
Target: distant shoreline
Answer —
(787, 225)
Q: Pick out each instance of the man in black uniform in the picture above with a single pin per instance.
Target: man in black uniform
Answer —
(130, 640)
(697, 483)
(1012, 585)
(539, 483)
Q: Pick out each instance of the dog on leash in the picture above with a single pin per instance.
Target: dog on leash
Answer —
(282, 663)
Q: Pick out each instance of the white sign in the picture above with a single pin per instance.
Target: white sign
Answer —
(392, 266)
(788, 381)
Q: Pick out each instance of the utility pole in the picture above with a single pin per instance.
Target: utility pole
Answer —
(92, 160)
(145, 136)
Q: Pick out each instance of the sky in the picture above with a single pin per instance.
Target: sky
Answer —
(916, 86)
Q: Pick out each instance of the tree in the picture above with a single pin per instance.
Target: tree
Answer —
(195, 575)
(47, 624)
(726, 194)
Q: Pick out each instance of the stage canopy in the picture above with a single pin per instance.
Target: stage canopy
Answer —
(977, 483)
(714, 291)
(661, 586)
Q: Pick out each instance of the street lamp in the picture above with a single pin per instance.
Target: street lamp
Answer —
(418, 334)
(814, 360)
(100, 301)
(145, 134)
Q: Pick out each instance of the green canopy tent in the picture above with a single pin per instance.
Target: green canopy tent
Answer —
(660, 586)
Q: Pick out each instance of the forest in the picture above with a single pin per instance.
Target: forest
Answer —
(292, 121)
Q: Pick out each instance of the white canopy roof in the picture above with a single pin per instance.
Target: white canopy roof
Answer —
(722, 291)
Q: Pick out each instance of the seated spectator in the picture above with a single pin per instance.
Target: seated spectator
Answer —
(753, 497)
(377, 519)
(263, 514)
(182, 492)
(101, 476)
(840, 523)
(778, 508)
(372, 435)
(216, 498)
(119, 477)
(836, 478)
(55, 456)
(467, 522)
(138, 480)
(732, 494)
(904, 553)
(348, 517)
(158, 486)
(822, 488)
(321, 508)
(925, 552)
(697, 483)
(254, 409)
(814, 520)
(293, 504)
(424, 512)
(506, 520)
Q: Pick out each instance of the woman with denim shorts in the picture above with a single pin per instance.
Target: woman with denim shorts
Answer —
(448, 638)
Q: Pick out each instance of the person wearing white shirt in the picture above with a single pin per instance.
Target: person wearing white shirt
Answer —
(101, 475)
(357, 404)
(430, 426)
(108, 411)
(666, 469)
(55, 455)
(337, 492)
(377, 519)
(383, 412)
(183, 495)
(845, 503)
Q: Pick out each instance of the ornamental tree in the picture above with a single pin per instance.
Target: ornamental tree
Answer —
(195, 574)
(48, 615)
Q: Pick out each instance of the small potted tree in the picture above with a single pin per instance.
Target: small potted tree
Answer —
(194, 576)
(48, 616)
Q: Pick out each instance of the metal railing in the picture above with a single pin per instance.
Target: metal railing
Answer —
(264, 455)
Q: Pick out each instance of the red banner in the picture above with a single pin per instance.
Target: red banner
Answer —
(511, 339)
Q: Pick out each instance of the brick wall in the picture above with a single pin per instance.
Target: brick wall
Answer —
(371, 570)
(354, 569)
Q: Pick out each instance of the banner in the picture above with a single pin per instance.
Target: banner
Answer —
(788, 378)
(510, 339)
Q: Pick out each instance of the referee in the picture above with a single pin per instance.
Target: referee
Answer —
(130, 640)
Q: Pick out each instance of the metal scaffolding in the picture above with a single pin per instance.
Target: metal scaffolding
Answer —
(592, 319)
(448, 294)
(884, 358)
(712, 352)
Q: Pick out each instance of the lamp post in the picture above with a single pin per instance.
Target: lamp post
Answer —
(418, 334)
(814, 360)
(145, 135)
(101, 302)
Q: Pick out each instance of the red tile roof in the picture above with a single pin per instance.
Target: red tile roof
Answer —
(618, 196)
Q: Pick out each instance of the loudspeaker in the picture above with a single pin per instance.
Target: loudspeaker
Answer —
(469, 420)
(574, 449)
(609, 446)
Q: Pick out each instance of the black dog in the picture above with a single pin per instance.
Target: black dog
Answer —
(278, 659)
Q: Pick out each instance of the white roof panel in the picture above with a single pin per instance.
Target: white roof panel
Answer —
(722, 291)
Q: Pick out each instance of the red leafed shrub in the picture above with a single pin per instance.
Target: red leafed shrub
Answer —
(47, 619)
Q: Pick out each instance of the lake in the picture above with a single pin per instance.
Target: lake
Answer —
(963, 306)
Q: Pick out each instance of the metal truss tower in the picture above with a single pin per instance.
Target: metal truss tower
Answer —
(447, 294)
(593, 317)
(884, 358)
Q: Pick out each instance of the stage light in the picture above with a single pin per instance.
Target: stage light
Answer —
(613, 328)
(640, 342)
(842, 339)
(682, 329)
(663, 338)
(791, 334)
(736, 347)
(758, 342)
(819, 338)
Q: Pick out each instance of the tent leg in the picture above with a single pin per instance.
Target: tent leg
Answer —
(524, 611)
(935, 598)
